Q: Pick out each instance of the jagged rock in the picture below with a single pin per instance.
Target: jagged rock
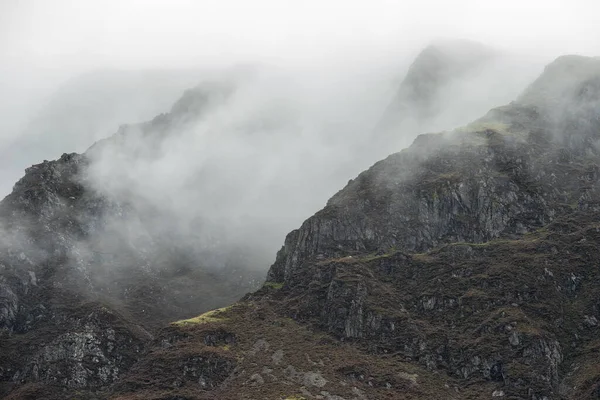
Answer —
(9, 305)
(502, 175)
(459, 266)
(64, 252)
(503, 178)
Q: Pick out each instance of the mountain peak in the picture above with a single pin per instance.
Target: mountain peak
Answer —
(451, 54)
(463, 266)
(426, 97)
(435, 66)
(570, 78)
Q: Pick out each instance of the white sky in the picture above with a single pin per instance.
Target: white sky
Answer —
(132, 33)
(46, 42)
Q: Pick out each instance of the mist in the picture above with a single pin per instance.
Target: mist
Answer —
(242, 159)
(282, 105)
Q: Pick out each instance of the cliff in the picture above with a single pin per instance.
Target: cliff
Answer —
(462, 267)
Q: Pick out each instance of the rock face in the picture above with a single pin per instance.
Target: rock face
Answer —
(86, 279)
(504, 174)
(459, 253)
(86, 108)
(464, 267)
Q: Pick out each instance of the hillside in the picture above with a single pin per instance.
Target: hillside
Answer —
(462, 267)
(86, 108)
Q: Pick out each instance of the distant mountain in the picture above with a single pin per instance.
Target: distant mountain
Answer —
(434, 68)
(90, 107)
(461, 267)
(449, 84)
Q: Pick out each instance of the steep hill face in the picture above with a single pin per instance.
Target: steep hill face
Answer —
(86, 278)
(462, 267)
(79, 297)
(86, 108)
(500, 175)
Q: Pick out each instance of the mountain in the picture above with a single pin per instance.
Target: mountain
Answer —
(448, 84)
(89, 107)
(434, 67)
(87, 279)
(460, 267)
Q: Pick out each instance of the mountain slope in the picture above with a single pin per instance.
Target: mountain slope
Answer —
(461, 267)
(86, 108)
(86, 279)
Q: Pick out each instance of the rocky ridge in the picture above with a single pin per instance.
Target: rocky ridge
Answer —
(461, 267)
(81, 292)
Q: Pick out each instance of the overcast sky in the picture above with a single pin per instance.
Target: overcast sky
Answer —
(43, 43)
(188, 32)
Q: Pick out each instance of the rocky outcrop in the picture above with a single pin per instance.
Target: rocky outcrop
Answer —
(457, 253)
(86, 278)
(504, 174)
(461, 267)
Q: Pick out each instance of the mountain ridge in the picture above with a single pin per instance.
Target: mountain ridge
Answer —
(461, 267)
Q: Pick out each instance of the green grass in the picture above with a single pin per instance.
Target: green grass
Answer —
(488, 243)
(373, 257)
(480, 126)
(207, 317)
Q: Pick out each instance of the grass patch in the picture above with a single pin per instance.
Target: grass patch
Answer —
(422, 257)
(208, 317)
(476, 131)
(273, 285)
(492, 242)
(373, 257)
